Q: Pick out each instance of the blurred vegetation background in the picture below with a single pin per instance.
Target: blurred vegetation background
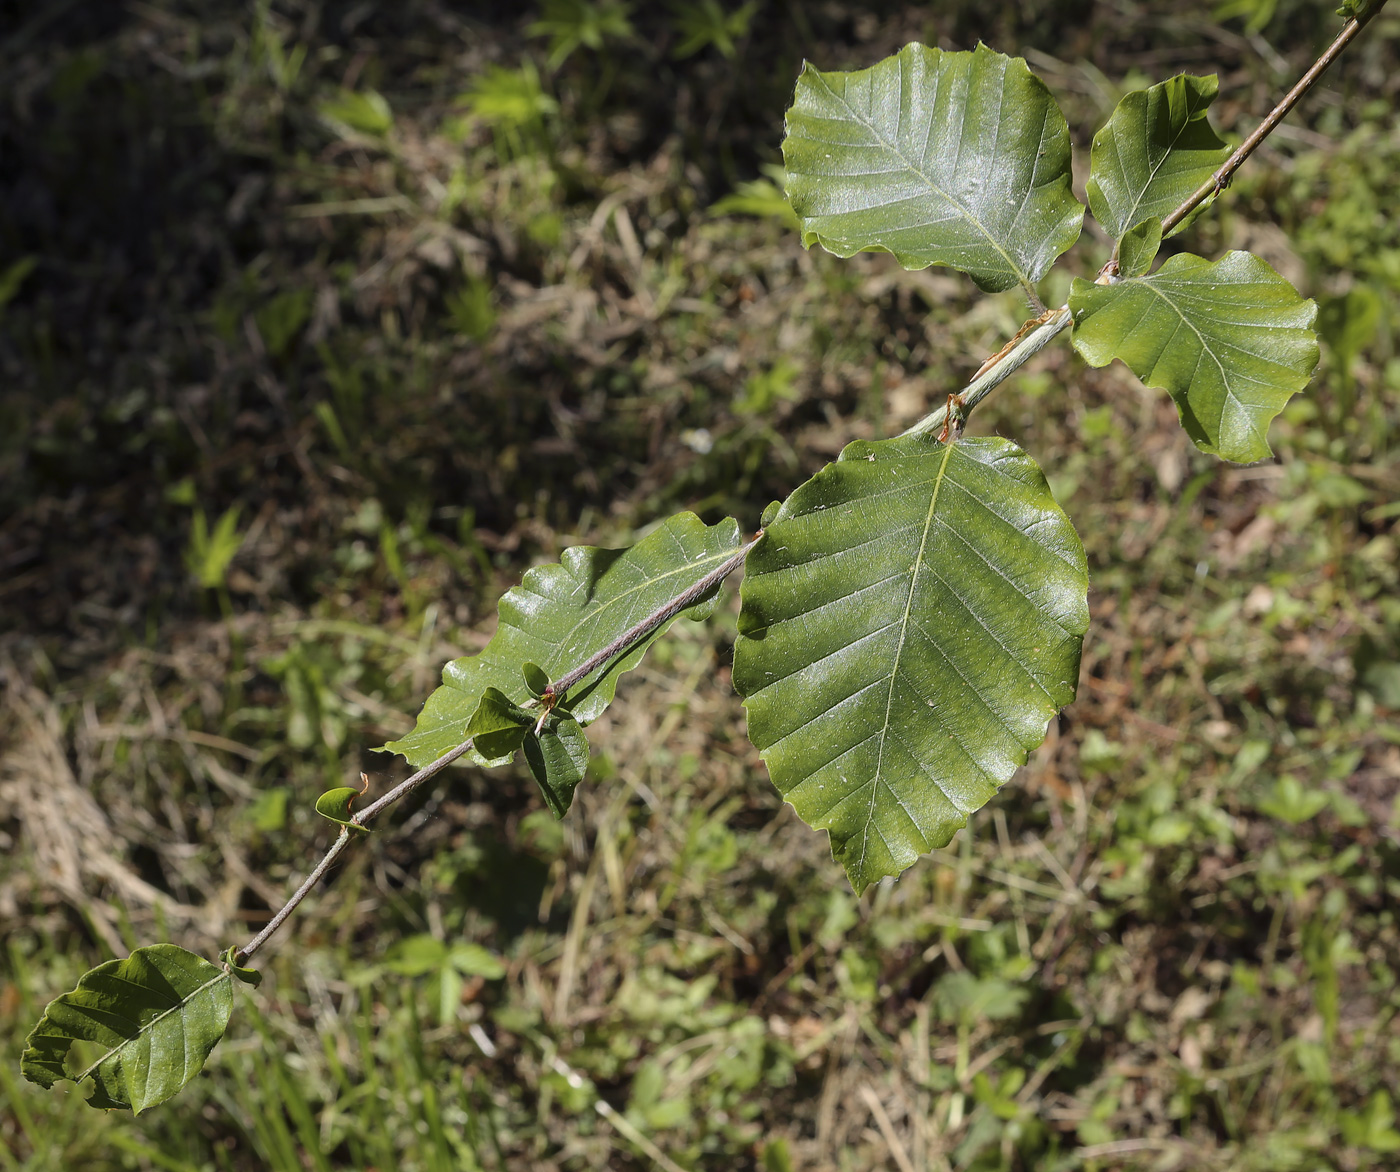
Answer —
(320, 322)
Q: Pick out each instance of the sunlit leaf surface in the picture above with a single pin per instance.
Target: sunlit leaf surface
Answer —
(911, 621)
(959, 159)
(156, 1016)
(1231, 341)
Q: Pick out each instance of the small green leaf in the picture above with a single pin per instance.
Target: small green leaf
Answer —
(471, 960)
(769, 513)
(1231, 342)
(559, 616)
(1348, 323)
(13, 277)
(157, 1015)
(1357, 9)
(911, 620)
(1138, 248)
(498, 726)
(416, 956)
(242, 972)
(1154, 152)
(366, 112)
(536, 679)
(1290, 802)
(558, 760)
(959, 159)
(335, 805)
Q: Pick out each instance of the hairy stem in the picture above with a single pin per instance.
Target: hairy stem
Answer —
(997, 372)
(629, 639)
(403, 789)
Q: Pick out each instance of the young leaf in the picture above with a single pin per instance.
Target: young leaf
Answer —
(558, 760)
(1155, 150)
(1138, 248)
(536, 679)
(557, 754)
(562, 614)
(335, 804)
(911, 621)
(959, 159)
(1231, 341)
(242, 972)
(157, 1015)
(497, 727)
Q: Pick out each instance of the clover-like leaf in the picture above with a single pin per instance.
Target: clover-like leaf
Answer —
(911, 621)
(1231, 341)
(560, 616)
(1155, 150)
(156, 1016)
(959, 159)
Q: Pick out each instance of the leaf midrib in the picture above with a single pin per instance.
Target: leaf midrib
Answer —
(876, 779)
(1240, 404)
(143, 1030)
(1138, 200)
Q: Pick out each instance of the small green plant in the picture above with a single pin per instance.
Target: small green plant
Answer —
(913, 615)
(211, 552)
(571, 25)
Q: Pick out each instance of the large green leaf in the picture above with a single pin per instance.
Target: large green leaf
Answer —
(959, 159)
(559, 616)
(1154, 151)
(156, 1016)
(911, 621)
(1231, 341)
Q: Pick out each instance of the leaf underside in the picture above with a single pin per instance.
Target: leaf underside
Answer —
(911, 621)
(559, 616)
(1231, 341)
(158, 1014)
(959, 159)
(1153, 153)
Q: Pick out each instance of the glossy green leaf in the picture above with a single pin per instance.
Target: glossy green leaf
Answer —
(156, 1016)
(1231, 341)
(959, 159)
(498, 727)
(911, 621)
(335, 805)
(562, 614)
(1155, 150)
(536, 679)
(242, 972)
(1138, 248)
(558, 760)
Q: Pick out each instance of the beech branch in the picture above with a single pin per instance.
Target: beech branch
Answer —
(619, 646)
(1015, 353)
